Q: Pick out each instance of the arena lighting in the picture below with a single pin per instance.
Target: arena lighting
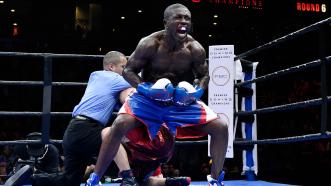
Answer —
(15, 30)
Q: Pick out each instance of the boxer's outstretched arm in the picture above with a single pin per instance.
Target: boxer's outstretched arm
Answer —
(137, 61)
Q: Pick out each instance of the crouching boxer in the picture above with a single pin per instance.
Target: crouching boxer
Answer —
(146, 156)
(174, 54)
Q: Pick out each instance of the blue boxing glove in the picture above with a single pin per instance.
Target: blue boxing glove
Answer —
(185, 94)
(93, 180)
(161, 90)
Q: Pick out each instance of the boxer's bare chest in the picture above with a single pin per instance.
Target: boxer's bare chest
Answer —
(177, 62)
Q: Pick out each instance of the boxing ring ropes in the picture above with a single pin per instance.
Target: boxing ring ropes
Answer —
(247, 143)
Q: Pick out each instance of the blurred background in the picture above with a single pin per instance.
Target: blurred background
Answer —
(97, 26)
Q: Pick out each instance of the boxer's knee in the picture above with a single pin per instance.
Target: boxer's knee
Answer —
(223, 125)
(122, 124)
(217, 127)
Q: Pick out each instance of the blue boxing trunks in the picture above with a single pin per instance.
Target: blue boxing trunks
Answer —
(154, 114)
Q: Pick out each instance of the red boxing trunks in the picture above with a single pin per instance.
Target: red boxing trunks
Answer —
(146, 155)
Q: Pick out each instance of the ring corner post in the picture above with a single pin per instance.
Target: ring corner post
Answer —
(249, 124)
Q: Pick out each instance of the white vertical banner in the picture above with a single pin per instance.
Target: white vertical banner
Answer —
(221, 86)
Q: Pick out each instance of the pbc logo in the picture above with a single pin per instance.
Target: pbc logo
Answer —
(220, 76)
